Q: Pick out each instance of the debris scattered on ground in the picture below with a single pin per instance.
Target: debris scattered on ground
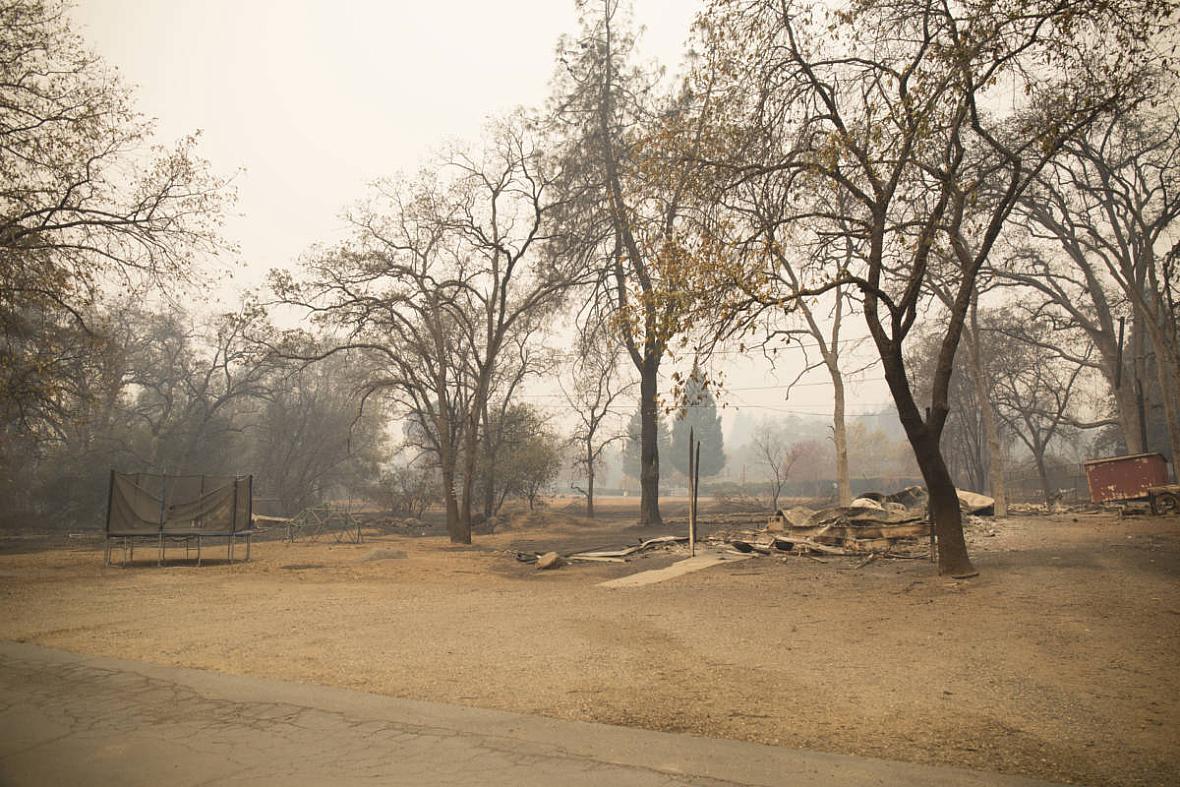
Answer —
(975, 503)
(872, 522)
(707, 559)
(1058, 507)
(768, 543)
(550, 560)
(604, 556)
(872, 527)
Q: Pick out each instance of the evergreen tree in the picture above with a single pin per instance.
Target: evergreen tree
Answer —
(632, 445)
(700, 415)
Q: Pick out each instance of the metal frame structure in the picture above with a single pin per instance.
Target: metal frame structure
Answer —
(315, 521)
(163, 533)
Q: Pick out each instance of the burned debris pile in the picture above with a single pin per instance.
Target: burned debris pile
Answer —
(868, 524)
(872, 524)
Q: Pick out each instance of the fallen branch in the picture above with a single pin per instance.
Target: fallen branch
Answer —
(594, 559)
(809, 544)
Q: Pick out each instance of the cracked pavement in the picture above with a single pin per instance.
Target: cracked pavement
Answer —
(67, 719)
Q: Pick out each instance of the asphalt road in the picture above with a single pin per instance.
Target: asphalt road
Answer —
(67, 719)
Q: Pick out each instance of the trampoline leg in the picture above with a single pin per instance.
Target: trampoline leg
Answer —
(198, 551)
(131, 544)
(160, 559)
(248, 548)
(230, 548)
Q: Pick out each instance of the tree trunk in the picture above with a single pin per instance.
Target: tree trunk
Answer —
(468, 495)
(991, 430)
(1169, 389)
(1166, 369)
(649, 461)
(840, 437)
(458, 519)
(1128, 413)
(945, 515)
(589, 483)
(1043, 474)
(489, 481)
(995, 459)
(1150, 308)
(1122, 390)
(459, 533)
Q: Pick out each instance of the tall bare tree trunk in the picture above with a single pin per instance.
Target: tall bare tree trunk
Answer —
(489, 480)
(458, 525)
(589, 482)
(995, 456)
(840, 437)
(1129, 424)
(1038, 452)
(471, 445)
(1169, 382)
(455, 528)
(649, 453)
(997, 484)
(1154, 315)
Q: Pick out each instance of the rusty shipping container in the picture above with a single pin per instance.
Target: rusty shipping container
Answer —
(1125, 477)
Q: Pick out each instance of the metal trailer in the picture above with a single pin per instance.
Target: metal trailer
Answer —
(1164, 499)
(1134, 478)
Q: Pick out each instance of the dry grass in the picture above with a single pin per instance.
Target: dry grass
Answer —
(1058, 662)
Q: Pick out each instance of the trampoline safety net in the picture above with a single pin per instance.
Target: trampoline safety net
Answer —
(149, 504)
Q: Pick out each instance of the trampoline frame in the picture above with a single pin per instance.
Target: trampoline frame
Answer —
(127, 540)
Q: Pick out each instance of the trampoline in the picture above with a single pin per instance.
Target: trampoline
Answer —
(158, 510)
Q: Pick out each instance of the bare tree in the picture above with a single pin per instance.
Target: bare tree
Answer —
(1034, 390)
(442, 276)
(310, 437)
(1108, 206)
(767, 307)
(990, 454)
(515, 279)
(779, 458)
(525, 361)
(408, 489)
(83, 205)
(892, 109)
(189, 378)
(594, 395)
(629, 202)
(391, 292)
(533, 456)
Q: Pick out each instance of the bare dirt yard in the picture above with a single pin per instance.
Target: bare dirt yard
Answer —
(1060, 661)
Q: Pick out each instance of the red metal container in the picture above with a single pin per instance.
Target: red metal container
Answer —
(1125, 477)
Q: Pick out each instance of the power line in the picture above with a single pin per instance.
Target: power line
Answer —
(754, 351)
(818, 409)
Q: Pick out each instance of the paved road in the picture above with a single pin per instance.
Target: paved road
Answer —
(79, 720)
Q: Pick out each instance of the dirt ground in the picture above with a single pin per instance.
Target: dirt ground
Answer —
(1059, 661)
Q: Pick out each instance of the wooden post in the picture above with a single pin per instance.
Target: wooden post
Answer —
(692, 512)
(107, 533)
(163, 514)
(696, 486)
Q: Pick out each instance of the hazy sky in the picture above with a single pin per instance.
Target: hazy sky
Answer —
(312, 100)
